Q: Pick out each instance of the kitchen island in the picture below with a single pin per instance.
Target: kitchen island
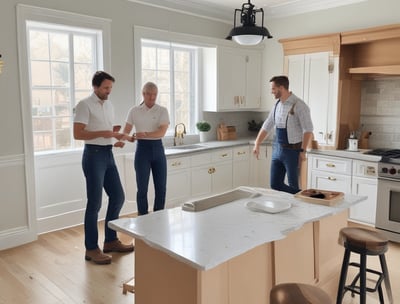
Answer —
(231, 254)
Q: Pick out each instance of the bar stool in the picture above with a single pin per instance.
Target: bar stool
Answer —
(364, 242)
(297, 293)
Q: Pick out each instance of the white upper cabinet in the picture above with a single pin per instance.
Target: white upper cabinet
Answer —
(232, 79)
(314, 78)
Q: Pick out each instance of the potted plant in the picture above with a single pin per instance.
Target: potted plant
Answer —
(203, 127)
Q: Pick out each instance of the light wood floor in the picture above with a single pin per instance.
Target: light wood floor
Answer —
(53, 270)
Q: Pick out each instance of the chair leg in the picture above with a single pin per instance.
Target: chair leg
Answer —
(386, 278)
(343, 275)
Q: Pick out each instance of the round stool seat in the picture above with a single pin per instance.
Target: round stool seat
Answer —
(363, 239)
(297, 293)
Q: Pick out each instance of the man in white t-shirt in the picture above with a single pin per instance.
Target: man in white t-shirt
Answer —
(93, 123)
(151, 122)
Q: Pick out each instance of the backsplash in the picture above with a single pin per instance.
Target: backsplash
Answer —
(237, 119)
(380, 112)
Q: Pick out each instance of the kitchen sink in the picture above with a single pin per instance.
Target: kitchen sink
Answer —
(187, 147)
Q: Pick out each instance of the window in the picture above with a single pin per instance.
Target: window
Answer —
(173, 68)
(62, 60)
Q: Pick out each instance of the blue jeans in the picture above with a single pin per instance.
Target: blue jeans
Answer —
(285, 161)
(150, 156)
(101, 172)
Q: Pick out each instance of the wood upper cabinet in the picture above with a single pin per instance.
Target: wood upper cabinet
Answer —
(232, 79)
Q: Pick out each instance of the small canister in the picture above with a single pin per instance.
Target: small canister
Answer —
(353, 144)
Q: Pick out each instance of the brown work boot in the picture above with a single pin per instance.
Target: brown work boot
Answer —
(97, 257)
(117, 246)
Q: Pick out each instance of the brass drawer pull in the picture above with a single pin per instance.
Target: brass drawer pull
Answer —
(241, 153)
(224, 155)
(211, 170)
(330, 165)
(175, 164)
(331, 178)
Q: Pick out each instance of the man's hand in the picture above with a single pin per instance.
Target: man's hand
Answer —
(256, 151)
(119, 144)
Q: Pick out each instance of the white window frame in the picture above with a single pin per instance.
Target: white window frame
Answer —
(26, 14)
(172, 47)
(141, 32)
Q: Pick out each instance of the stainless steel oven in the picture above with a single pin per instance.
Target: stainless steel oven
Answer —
(388, 208)
(388, 204)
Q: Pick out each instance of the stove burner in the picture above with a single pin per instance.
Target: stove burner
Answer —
(386, 153)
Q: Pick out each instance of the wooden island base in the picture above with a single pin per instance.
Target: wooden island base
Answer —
(308, 255)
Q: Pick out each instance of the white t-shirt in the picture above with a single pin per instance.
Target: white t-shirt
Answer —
(97, 115)
(146, 119)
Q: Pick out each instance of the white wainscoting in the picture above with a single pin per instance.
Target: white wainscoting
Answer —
(16, 224)
(61, 190)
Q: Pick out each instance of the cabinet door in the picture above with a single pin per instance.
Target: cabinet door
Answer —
(295, 70)
(316, 92)
(201, 181)
(231, 78)
(260, 168)
(253, 79)
(366, 210)
(221, 177)
(241, 166)
(178, 181)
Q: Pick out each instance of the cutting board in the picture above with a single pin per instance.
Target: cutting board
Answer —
(320, 197)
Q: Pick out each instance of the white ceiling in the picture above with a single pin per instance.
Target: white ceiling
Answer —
(223, 10)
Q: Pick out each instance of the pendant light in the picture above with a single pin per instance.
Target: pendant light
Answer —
(249, 33)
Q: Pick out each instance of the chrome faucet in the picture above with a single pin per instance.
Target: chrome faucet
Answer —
(180, 129)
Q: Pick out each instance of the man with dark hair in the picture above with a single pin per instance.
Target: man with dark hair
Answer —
(93, 123)
(293, 133)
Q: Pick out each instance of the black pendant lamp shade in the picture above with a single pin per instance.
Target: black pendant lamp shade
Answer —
(249, 33)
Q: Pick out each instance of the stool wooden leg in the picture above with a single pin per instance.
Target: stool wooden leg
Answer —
(363, 279)
(343, 275)
(386, 279)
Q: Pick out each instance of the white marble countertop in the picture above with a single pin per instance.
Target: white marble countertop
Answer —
(208, 238)
(360, 154)
(211, 145)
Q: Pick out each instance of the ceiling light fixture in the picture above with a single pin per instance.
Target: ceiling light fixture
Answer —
(249, 33)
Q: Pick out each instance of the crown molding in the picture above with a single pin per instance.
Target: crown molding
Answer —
(224, 10)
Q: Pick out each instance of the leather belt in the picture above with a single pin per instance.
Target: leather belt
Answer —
(296, 146)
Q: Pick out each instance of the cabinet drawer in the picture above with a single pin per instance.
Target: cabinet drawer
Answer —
(365, 169)
(332, 164)
(178, 163)
(221, 155)
(241, 153)
(200, 159)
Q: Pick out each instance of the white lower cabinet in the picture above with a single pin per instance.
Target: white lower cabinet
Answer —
(329, 173)
(241, 166)
(260, 168)
(349, 176)
(178, 181)
(364, 183)
(211, 172)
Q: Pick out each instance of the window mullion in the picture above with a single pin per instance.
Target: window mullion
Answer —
(172, 85)
(71, 85)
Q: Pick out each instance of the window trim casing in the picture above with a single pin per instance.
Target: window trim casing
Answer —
(42, 15)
